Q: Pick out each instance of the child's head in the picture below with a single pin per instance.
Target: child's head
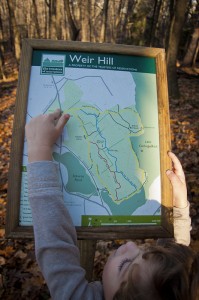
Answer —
(156, 273)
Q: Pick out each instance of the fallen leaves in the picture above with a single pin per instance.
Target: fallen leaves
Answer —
(184, 114)
(7, 101)
(7, 251)
(20, 276)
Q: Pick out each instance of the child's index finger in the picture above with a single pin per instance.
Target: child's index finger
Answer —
(176, 164)
(56, 114)
(62, 121)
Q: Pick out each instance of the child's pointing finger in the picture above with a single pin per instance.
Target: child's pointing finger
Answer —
(62, 121)
(177, 167)
(55, 115)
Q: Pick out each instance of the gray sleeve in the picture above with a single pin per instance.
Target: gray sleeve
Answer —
(182, 225)
(55, 237)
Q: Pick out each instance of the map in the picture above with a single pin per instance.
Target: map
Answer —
(108, 153)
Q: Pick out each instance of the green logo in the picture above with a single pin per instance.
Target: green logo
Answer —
(53, 64)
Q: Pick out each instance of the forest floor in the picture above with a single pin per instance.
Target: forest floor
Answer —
(20, 277)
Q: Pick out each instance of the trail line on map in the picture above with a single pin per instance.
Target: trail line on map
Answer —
(76, 79)
(108, 150)
(118, 123)
(69, 79)
(108, 167)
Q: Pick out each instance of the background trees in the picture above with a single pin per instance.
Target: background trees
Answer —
(169, 24)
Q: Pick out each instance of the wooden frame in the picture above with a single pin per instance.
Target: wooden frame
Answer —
(13, 229)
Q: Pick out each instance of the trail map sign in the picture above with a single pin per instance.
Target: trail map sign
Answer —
(112, 153)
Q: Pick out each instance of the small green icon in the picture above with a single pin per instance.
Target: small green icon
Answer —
(53, 65)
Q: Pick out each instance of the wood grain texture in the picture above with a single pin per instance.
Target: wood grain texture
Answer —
(14, 178)
(164, 139)
(93, 47)
(87, 255)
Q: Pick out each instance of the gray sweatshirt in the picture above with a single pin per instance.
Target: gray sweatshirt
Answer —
(55, 236)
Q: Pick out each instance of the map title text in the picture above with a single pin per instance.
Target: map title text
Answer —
(101, 60)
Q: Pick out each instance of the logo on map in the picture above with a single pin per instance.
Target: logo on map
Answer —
(53, 64)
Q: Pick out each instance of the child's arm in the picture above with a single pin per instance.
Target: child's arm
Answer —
(182, 221)
(55, 236)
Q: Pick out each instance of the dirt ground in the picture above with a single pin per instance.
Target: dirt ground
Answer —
(20, 277)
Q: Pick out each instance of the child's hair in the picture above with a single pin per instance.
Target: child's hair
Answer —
(173, 274)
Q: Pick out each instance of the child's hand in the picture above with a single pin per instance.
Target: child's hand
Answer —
(177, 179)
(42, 132)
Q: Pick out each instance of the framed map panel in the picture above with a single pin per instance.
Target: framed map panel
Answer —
(112, 154)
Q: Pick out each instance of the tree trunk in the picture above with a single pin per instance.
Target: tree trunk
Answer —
(72, 27)
(58, 19)
(35, 19)
(85, 28)
(92, 21)
(112, 21)
(52, 19)
(116, 21)
(195, 55)
(2, 75)
(156, 13)
(104, 22)
(173, 43)
(14, 32)
(189, 57)
(124, 11)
